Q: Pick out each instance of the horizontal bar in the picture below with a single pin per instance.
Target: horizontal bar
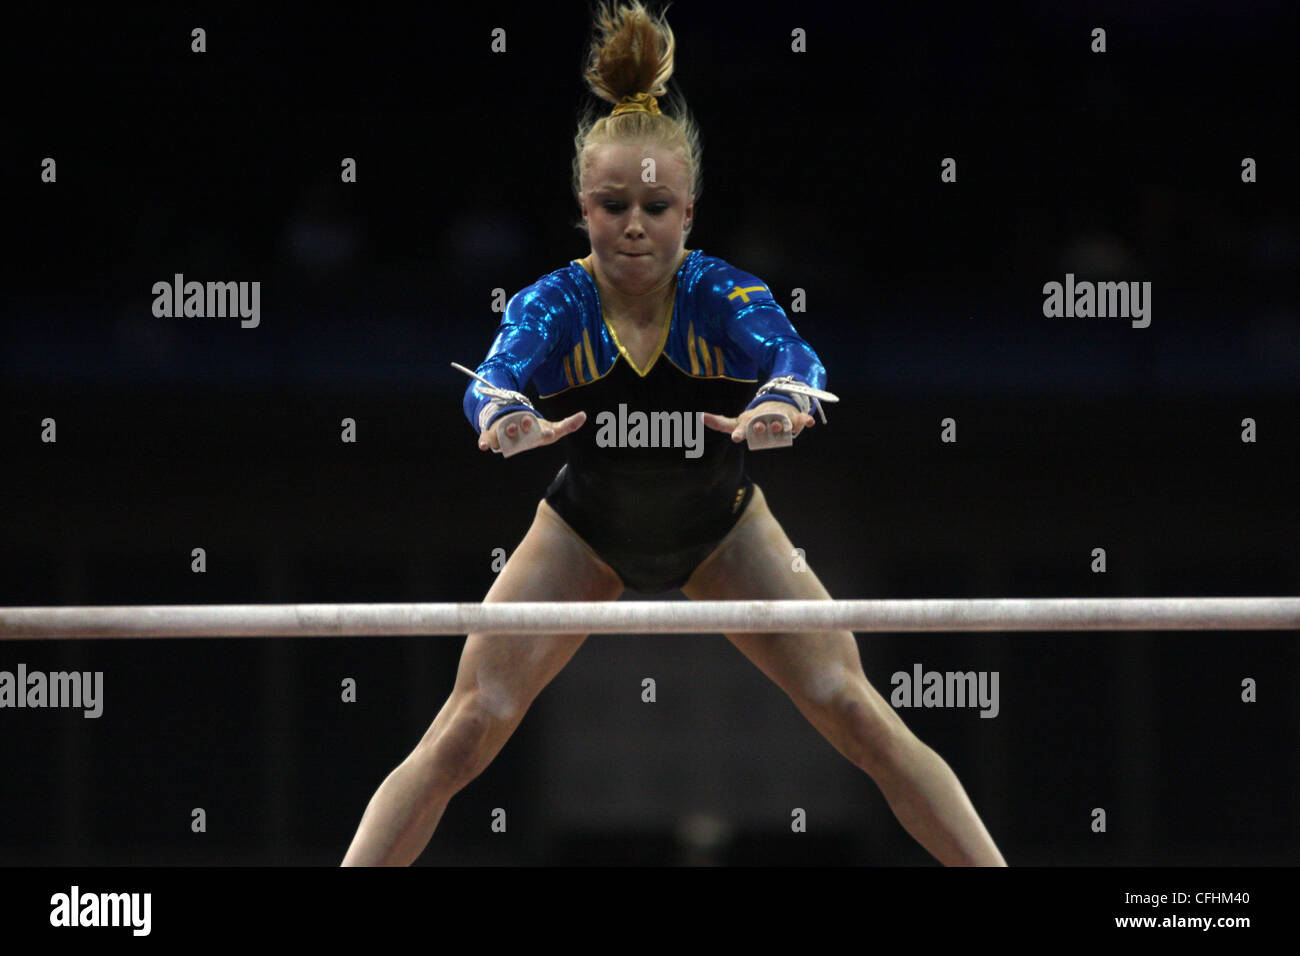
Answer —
(665, 617)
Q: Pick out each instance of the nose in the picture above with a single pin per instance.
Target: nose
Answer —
(634, 229)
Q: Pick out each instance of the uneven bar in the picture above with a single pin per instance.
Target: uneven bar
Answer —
(644, 617)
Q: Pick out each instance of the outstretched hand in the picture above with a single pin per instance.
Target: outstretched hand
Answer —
(738, 425)
(552, 432)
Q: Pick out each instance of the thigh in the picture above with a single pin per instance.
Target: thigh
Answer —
(756, 562)
(506, 671)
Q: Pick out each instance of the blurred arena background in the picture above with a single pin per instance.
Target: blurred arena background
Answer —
(924, 302)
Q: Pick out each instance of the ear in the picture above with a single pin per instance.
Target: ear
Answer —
(688, 215)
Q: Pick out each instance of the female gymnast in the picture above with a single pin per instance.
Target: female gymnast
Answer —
(643, 321)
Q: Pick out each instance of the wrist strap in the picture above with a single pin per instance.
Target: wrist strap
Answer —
(501, 398)
(804, 396)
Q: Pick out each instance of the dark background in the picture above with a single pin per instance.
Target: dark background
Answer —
(821, 172)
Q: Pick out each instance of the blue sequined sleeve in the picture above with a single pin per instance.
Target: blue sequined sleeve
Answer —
(526, 337)
(760, 328)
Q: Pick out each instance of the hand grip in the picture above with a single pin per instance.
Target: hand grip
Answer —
(768, 440)
(524, 440)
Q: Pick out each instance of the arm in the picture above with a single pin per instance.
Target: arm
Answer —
(525, 339)
(760, 328)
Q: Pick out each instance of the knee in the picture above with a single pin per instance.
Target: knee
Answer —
(877, 736)
(462, 750)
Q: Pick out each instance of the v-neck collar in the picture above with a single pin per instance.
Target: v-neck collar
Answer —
(663, 338)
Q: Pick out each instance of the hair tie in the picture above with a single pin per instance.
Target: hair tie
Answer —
(639, 103)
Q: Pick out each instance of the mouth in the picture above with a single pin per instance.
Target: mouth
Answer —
(634, 255)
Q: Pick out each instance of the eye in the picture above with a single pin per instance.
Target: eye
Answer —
(613, 206)
(658, 207)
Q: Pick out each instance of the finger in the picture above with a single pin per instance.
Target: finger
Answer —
(718, 423)
(738, 425)
(545, 429)
(570, 425)
(554, 431)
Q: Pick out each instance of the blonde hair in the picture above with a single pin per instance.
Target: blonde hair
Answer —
(631, 56)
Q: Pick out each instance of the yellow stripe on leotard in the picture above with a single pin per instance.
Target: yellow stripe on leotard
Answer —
(591, 359)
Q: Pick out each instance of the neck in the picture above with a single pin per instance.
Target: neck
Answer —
(646, 308)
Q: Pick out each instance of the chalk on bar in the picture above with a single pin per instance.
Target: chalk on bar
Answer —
(758, 442)
(524, 440)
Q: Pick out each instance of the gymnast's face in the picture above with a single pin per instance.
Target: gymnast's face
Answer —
(637, 228)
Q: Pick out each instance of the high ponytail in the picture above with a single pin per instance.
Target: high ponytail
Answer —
(630, 61)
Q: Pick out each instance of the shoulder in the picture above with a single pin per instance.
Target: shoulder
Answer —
(716, 282)
(555, 293)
